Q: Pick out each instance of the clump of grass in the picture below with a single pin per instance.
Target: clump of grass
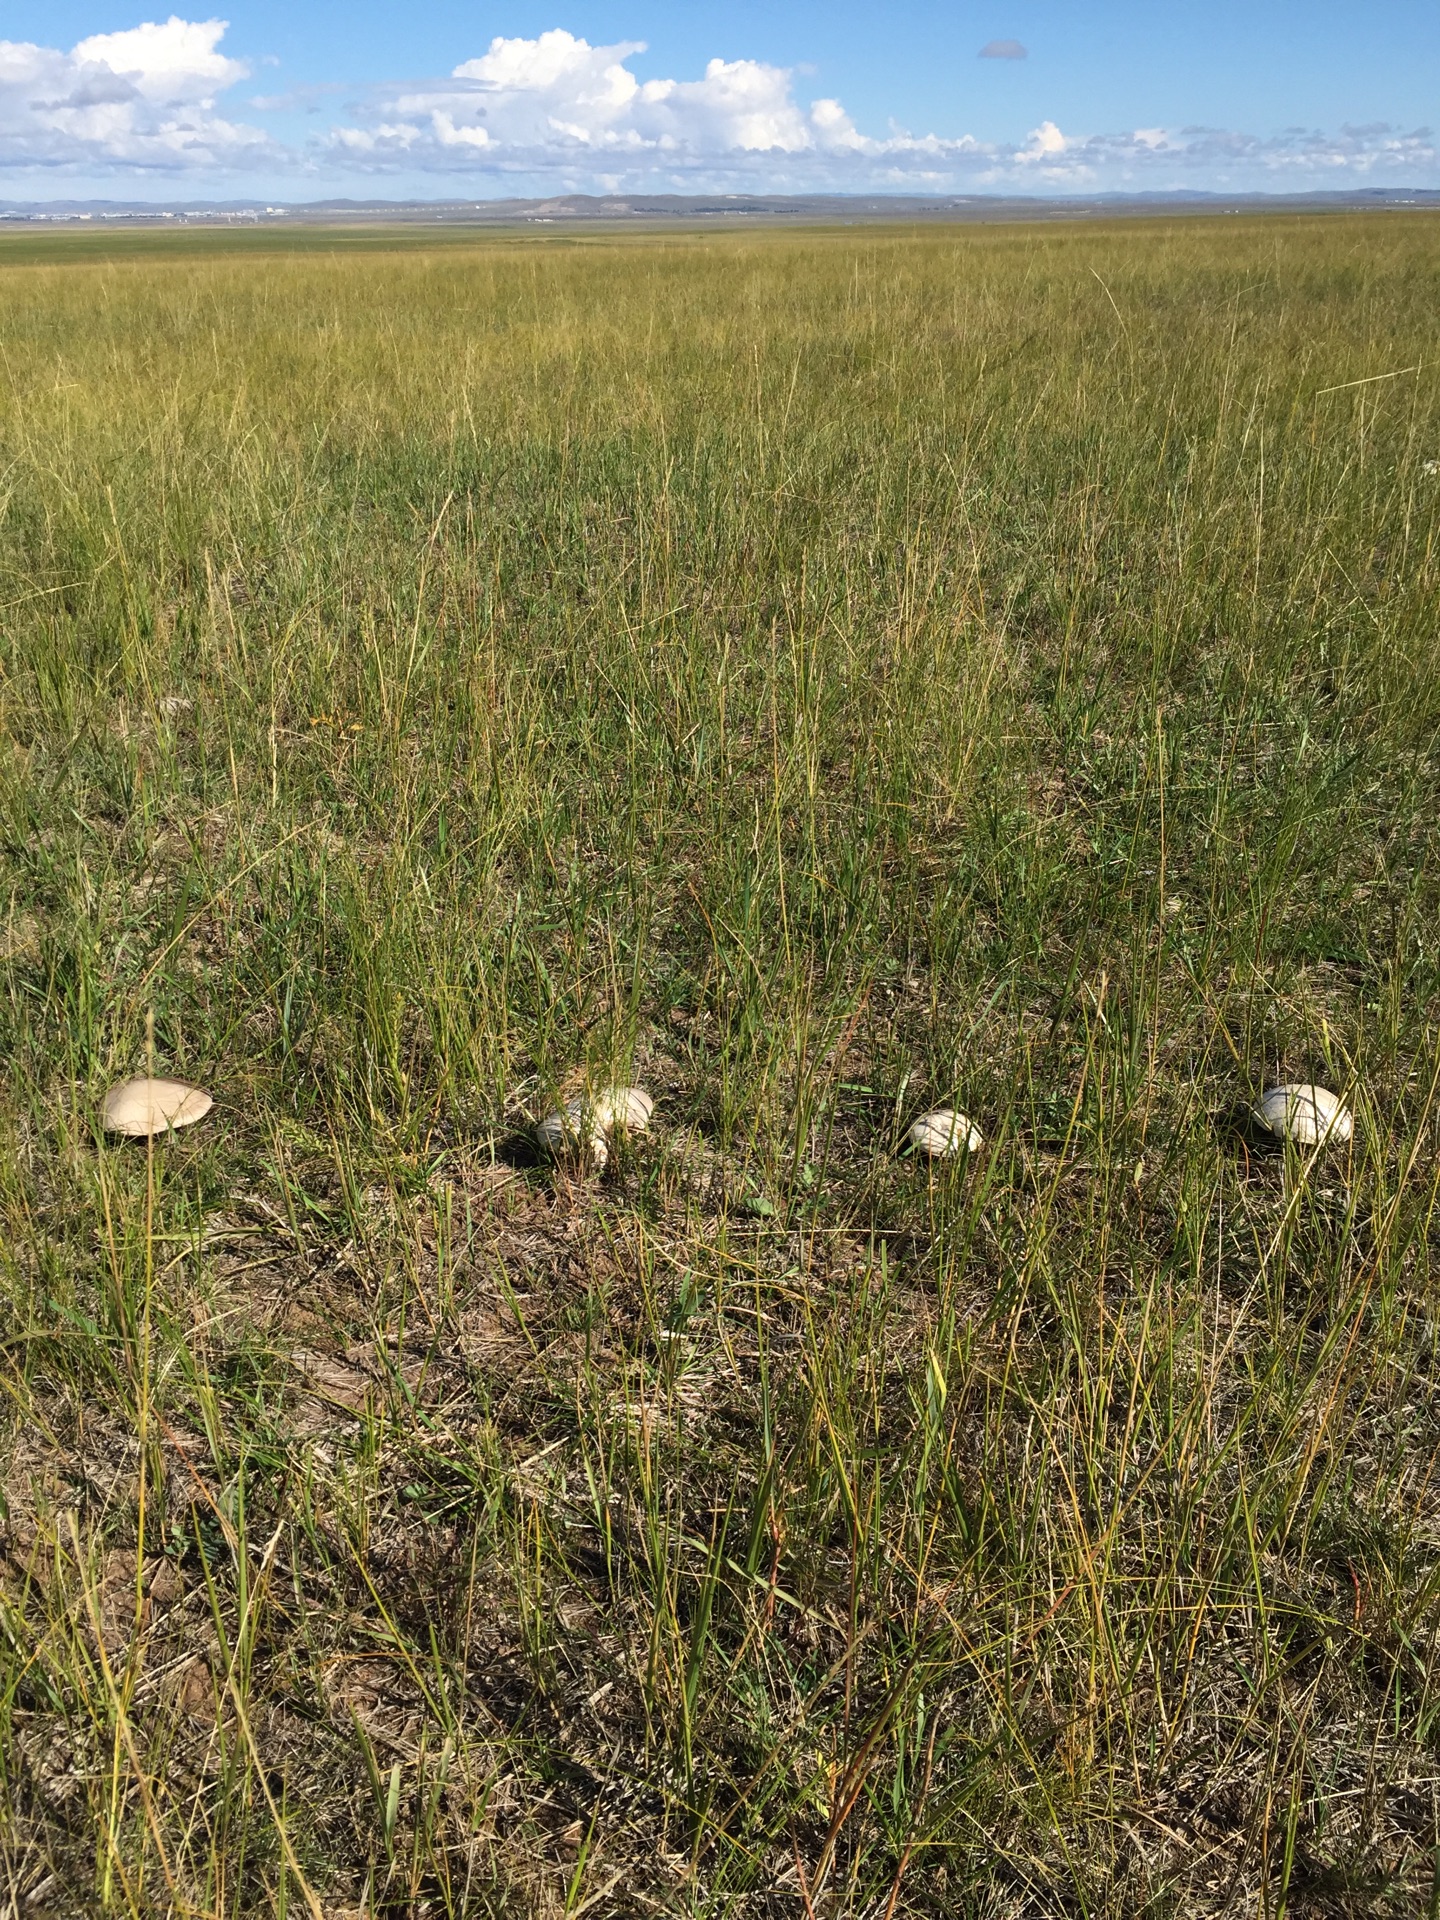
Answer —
(825, 677)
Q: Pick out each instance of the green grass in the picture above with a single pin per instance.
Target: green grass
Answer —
(821, 676)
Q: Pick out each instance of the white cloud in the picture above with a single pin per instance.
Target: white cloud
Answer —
(555, 113)
(556, 101)
(169, 63)
(1003, 50)
(1297, 160)
(1045, 145)
(559, 112)
(143, 98)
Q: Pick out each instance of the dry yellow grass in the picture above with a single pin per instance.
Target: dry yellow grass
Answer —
(823, 677)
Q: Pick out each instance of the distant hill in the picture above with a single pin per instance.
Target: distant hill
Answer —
(583, 208)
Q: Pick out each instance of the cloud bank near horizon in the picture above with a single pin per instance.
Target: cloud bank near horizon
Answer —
(555, 113)
(135, 101)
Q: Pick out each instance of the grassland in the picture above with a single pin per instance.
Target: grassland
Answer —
(822, 676)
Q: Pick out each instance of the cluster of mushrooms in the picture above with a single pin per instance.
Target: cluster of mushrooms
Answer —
(584, 1127)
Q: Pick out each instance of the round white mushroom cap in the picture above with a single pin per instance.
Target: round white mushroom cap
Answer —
(944, 1132)
(140, 1108)
(1306, 1115)
(572, 1132)
(628, 1108)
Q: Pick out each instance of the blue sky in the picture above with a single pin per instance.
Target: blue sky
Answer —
(318, 97)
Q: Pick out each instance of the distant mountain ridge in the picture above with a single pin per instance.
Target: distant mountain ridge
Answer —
(581, 208)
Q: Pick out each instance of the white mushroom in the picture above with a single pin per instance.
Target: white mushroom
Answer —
(628, 1108)
(1306, 1115)
(140, 1108)
(944, 1132)
(572, 1133)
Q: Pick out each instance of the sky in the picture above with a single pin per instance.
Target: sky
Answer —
(294, 100)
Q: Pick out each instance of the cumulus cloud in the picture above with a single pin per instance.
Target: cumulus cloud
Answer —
(555, 113)
(1003, 50)
(558, 111)
(1297, 160)
(557, 100)
(1044, 146)
(142, 98)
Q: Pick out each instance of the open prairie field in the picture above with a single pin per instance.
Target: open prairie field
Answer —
(818, 677)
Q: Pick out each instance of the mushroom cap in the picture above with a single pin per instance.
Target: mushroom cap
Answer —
(944, 1132)
(141, 1108)
(1304, 1114)
(572, 1133)
(628, 1108)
